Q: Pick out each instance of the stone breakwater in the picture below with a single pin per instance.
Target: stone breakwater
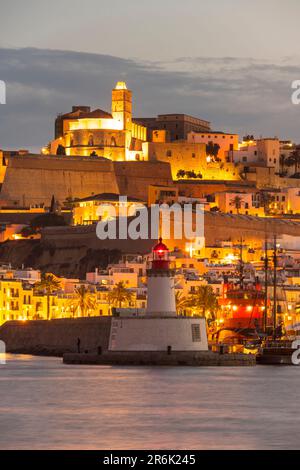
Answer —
(56, 337)
(161, 358)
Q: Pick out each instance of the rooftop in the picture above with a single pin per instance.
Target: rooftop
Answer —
(107, 197)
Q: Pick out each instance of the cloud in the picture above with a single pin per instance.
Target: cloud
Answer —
(241, 95)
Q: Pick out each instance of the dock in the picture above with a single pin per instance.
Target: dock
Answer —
(161, 358)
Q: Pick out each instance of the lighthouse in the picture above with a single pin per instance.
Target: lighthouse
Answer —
(160, 329)
(161, 293)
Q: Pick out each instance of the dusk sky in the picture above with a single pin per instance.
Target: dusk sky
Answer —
(228, 61)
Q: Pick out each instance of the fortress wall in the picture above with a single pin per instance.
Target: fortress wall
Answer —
(34, 179)
(200, 189)
(216, 227)
(252, 229)
(134, 177)
(67, 237)
(55, 337)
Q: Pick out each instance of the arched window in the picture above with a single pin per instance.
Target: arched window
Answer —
(113, 142)
(91, 141)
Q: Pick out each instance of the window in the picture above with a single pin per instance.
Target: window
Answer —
(169, 153)
(196, 336)
(193, 155)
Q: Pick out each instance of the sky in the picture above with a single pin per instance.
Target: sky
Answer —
(228, 61)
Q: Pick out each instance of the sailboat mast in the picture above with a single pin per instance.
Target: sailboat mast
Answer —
(266, 287)
(275, 288)
(241, 265)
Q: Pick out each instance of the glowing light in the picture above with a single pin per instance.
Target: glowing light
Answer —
(96, 124)
(121, 86)
(234, 308)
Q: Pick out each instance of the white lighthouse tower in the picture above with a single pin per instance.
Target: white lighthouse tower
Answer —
(160, 329)
(161, 293)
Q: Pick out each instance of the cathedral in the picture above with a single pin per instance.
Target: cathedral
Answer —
(114, 135)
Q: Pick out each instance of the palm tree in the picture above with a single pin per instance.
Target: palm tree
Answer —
(85, 300)
(120, 295)
(294, 159)
(181, 302)
(204, 301)
(49, 284)
(237, 203)
(282, 163)
(266, 200)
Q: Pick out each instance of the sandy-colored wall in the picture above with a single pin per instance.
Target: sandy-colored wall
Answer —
(189, 157)
(134, 177)
(34, 179)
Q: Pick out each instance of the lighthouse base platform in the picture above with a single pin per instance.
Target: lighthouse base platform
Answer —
(163, 333)
(161, 358)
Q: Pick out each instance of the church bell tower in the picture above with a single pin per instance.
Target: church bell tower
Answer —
(122, 105)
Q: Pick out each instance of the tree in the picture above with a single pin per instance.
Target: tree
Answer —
(47, 220)
(294, 159)
(119, 295)
(180, 174)
(191, 174)
(212, 150)
(266, 199)
(49, 284)
(181, 302)
(237, 203)
(85, 300)
(282, 162)
(60, 150)
(204, 302)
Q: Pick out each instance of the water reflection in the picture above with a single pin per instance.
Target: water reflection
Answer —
(45, 404)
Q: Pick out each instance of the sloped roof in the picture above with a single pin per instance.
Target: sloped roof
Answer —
(107, 197)
(96, 114)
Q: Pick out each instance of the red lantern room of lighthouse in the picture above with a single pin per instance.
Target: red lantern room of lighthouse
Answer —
(160, 257)
(161, 293)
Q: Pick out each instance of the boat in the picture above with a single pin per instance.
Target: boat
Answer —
(276, 353)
